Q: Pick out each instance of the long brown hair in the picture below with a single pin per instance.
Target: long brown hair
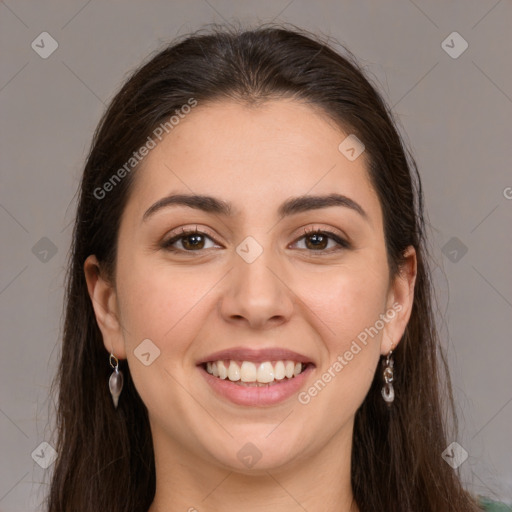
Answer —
(105, 456)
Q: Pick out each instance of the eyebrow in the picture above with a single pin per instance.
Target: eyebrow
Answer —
(291, 206)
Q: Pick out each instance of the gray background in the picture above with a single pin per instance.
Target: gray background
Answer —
(456, 115)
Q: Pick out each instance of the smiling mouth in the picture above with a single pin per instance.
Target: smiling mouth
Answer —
(251, 374)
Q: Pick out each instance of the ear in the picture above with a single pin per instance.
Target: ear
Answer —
(400, 301)
(104, 301)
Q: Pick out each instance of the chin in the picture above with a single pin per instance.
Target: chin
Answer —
(257, 454)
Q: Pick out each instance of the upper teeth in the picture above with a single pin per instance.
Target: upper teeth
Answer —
(247, 371)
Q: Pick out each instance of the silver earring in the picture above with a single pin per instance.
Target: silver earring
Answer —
(388, 393)
(115, 383)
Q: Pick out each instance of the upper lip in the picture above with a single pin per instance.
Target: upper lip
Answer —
(256, 356)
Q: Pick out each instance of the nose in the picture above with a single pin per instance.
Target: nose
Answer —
(256, 293)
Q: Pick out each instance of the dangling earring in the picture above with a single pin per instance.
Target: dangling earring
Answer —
(388, 393)
(115, 383)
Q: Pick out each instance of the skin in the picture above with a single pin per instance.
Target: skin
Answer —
(293, 296)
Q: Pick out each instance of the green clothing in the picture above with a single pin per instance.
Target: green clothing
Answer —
(493, 506)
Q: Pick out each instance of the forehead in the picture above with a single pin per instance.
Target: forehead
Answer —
(253, 156)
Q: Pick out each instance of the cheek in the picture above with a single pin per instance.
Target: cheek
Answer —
(157, 301)
(160, 306)
(345, 300)
(347, 304)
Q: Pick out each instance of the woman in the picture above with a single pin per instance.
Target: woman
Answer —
(249, 320)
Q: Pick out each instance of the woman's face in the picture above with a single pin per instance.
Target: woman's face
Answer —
(252, 280)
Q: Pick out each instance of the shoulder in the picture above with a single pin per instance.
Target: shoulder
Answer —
(489, 505)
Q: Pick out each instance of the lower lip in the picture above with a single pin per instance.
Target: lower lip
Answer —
(257, 395)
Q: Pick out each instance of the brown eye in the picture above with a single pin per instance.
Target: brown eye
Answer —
(195, 241)
(318, 241)
(190, 240)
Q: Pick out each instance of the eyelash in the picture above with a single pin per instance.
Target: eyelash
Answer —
(167, 245)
